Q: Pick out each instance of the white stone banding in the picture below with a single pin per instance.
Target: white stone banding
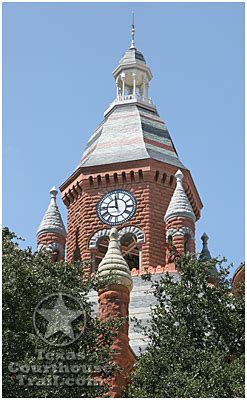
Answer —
(137, 232)
(180, 232)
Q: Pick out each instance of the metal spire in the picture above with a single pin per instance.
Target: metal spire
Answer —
(133, 32)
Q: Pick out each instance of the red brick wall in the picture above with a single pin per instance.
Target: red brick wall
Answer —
(48, 238)
(114, 302)
(153, 188)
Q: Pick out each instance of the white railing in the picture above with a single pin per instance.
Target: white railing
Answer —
(134, 97)
(130, 98)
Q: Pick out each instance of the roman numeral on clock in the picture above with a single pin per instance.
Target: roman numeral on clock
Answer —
(128, 212)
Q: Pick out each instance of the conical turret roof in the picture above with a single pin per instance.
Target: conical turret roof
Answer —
(52, 220)
(113, 264)
(179, 205)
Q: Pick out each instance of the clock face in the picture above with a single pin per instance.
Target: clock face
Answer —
(116, 207)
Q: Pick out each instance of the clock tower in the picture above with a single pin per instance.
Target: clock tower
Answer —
(127, 178)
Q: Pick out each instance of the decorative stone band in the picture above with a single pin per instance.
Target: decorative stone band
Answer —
(52, 247)
(137, 232)
(180, 232)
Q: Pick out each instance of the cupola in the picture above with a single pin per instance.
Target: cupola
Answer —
(132, 77)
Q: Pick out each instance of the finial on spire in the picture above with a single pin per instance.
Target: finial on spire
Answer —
(133, 32)
(53, 191)
(179, 176)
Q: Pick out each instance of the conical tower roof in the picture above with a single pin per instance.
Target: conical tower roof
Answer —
(52, 220)
(113, 264)
(179, 205)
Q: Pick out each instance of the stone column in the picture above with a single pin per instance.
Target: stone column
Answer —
(123, 84)
(134, 83)
(114, 302)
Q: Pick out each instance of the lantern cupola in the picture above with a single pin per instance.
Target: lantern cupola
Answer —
(132, 77)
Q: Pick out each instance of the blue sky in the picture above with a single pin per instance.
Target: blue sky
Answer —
(58, 60)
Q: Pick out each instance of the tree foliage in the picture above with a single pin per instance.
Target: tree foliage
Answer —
(27, 278)
(196, 346)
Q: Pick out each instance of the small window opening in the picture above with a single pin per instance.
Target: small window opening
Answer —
(132, 176)
(140, 173)
(99, 180)
(163, 178)
(156, 176)
(124, 176)
(90, 181)
(187, 241)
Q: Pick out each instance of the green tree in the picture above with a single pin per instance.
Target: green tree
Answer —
(31, 367)
(196, 334)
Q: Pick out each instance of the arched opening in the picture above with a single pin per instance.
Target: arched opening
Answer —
(170, 241)
(163, 178)
(115, 177)
(187, 240)
(130, 250)
(99, 180)
(107, 179)
(156, 176)
(171, 180)
(124, 177)
(140, 173)
(90, 181)
(102, 246)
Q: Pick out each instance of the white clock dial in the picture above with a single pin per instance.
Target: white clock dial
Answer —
(116, 207)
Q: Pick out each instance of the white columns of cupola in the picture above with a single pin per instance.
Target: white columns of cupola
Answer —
(123, 83)
(145, 87)
(132, 81)
(134, 84)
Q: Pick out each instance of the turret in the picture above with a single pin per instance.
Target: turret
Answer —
(205, 253)
(180, 224)
(206, 256)
(114, 299)
(51, 233)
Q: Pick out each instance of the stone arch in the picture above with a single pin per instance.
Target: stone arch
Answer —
(180, 232)
(137, 232)
(96, 236)
(131, 239)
